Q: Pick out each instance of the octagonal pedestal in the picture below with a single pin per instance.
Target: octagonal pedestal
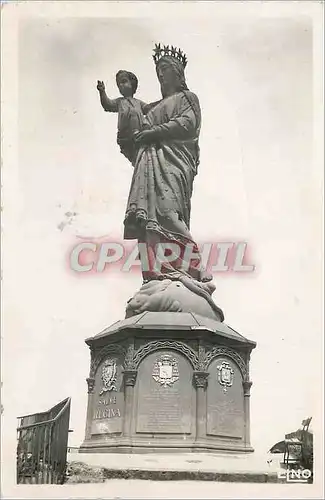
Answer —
(168, 381)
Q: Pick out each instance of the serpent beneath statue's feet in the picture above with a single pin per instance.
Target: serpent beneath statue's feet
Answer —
(177, 293)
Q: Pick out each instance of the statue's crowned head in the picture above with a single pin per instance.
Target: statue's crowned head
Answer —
(170, 64)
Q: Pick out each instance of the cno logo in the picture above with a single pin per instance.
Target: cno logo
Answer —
(295, 475)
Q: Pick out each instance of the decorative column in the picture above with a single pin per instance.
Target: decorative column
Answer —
(247, 384)
(130, 377)
(91, 390)
(201, 383)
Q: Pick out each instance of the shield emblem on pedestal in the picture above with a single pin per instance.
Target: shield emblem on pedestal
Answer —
(109, 376)
(165, 370)
(225, 375)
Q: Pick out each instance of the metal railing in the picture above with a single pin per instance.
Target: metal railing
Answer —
(299, 447)
(42, 445)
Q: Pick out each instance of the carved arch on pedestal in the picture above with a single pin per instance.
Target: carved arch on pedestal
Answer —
(174, 345)
(113, 350)
(225, 351)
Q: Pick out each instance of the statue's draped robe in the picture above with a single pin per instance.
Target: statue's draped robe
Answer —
(163, 179)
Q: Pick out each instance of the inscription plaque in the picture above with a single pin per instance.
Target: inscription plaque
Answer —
(108, 408)
(164, 408)
(225, 409)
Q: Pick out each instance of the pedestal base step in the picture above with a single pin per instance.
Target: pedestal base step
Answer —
(170, 467)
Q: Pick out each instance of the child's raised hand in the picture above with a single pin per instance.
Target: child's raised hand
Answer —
(100, 86)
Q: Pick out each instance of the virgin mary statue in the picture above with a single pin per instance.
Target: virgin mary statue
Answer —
(165, 156)
(165, 164)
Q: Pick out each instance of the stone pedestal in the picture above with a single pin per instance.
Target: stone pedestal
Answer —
(168, 381)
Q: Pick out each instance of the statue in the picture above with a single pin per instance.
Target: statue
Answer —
(171, 351)
(161, 140)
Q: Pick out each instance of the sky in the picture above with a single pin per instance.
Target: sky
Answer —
(257, 183)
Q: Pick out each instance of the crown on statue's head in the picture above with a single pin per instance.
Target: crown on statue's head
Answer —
(171, 51)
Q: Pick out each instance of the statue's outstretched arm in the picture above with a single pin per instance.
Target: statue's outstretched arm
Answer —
(107, 104)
